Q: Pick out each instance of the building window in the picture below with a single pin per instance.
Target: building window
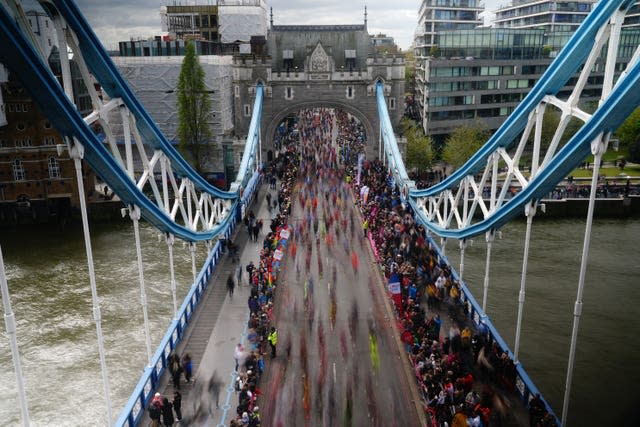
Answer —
(236, 91)
(350, 92)
(54, 167)
(20, 126)
(46, 23)
(49, 140)
(288, 93)
(47, 124)
(392, 103)
(21, 143)
(25, 108)
(18, 170)
(10, 108)
(247, 110)
(3, 143)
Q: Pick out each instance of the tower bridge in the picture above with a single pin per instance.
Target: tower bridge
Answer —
(317, 66)
(313, 66)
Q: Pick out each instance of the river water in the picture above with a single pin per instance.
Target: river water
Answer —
(606, 379)
(51, 299)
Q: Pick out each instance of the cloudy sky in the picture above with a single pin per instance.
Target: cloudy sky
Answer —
(117, 20)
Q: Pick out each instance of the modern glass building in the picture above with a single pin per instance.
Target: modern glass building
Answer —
(435, 16)
(550, 15)
(483, 73)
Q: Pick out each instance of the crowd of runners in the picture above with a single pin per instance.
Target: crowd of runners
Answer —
(463, 377)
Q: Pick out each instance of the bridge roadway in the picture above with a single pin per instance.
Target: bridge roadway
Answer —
(384, 396)
(325, 372)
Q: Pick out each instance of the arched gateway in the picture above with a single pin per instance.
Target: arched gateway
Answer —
(305, 66)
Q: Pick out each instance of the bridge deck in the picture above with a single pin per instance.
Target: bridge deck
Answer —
(218, 325)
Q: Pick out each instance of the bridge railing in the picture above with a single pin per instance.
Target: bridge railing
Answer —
(391, 154)
(132, 413)
(524, 386)
(251, 154)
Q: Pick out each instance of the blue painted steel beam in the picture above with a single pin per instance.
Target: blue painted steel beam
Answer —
(400, 172)
(622, 101)
(249, 157)
(22, 59)
(551, 82)
(112, 82)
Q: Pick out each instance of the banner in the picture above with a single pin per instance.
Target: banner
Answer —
(360, 161)
(394, 284)
(364, 194)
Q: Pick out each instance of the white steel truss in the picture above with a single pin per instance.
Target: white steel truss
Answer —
(507, 172)
(179, 198)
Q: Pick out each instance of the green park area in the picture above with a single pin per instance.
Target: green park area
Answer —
(611, 166)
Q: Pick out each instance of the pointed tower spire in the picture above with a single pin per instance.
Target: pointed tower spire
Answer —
(365, 16)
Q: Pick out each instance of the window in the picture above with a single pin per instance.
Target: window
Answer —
(247, 110)
(47, 124)
(10, 108)
(49, 140)
(288, 93)
(3, 143)
(392, 103)
(350, 92)
(20, 126)
(518, 84)
(18, 170)
(54, 167)
(21, 143)
(236, 91)
(25, 108)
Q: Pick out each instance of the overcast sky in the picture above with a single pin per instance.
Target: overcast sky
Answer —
(118, 20)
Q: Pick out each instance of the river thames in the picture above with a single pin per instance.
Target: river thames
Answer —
(49, 288)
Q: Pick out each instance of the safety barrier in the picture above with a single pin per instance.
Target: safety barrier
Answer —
(524, 386)
(133, 411)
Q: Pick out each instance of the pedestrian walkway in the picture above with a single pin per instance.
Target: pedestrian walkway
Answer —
(219, 323)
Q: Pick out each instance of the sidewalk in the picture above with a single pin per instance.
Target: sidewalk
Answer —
(219, 323)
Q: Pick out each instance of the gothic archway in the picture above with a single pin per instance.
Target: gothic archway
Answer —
(276, 119)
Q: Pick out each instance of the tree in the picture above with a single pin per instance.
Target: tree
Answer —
(629, 135)
(550, 122)
(463, 143)
(194, 107)
(419, 146)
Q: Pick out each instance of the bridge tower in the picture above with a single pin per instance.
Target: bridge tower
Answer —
(316, 66)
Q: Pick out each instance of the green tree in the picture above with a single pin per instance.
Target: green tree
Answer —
(550, 123)
(409, 71)
(419, 146)
(194, 107)
(629, 135)
(463, 143)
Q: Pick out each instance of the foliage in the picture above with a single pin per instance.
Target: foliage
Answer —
(194, 107)
(463, 143)
(629, 135)
(609, 171)
(419, 146)
(550, 123)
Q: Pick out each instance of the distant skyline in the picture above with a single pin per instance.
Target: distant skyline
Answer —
(119, 20)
